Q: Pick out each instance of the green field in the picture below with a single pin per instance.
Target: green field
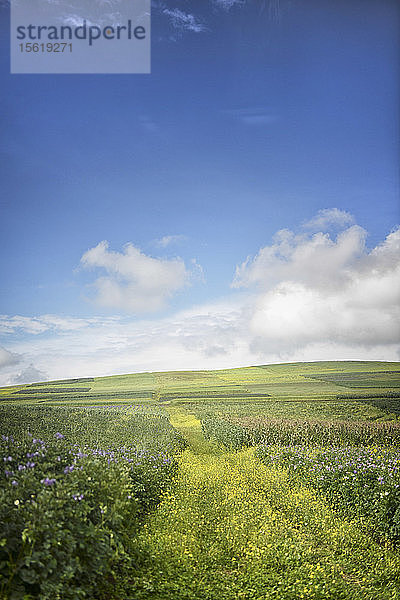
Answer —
(266, 482)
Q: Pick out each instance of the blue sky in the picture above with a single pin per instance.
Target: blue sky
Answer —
(256, 116)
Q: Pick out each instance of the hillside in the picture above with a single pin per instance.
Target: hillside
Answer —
(337, 389)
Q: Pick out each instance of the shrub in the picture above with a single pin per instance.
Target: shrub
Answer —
(70, 511)
(358, 481)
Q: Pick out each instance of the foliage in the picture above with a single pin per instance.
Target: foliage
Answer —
(361, 379)
(51, 390)
(361, 481)
(234, 528)
(283, 409)
(112, 509)
(61, 382)
(235, 433)
(71, 510)
(72, 395)
(144, 427)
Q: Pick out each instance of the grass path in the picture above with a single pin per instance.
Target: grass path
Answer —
(234, 529)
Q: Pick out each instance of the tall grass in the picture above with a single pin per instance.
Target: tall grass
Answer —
(238, 432)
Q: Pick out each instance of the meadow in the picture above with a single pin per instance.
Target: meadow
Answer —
(266, 482)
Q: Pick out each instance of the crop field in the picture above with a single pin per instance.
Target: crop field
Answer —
(268, 482)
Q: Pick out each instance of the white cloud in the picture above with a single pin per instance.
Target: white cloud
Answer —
(134, 282)
(253, 115)
(316, 260)
(168, 240)
(315, 289)
(228, 4)
(184, 21)
(27, 324)
(305, 297)
(206, 336)
(218, 336)
(271, 7)
(43, 324)
(329, 217)
(7, 358)
(29, 375)
(213, 336)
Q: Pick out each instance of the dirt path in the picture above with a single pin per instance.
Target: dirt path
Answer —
(235, 529)
(190, 427)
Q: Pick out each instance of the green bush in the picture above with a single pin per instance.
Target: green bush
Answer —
(70, 512)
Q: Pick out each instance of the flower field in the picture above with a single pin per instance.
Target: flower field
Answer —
(74, 488)
(276, 482)
(362, 482)
(246, 431)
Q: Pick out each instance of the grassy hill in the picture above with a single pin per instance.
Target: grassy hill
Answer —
(333, 389)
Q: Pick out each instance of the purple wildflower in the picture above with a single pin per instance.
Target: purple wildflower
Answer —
(48, 481)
